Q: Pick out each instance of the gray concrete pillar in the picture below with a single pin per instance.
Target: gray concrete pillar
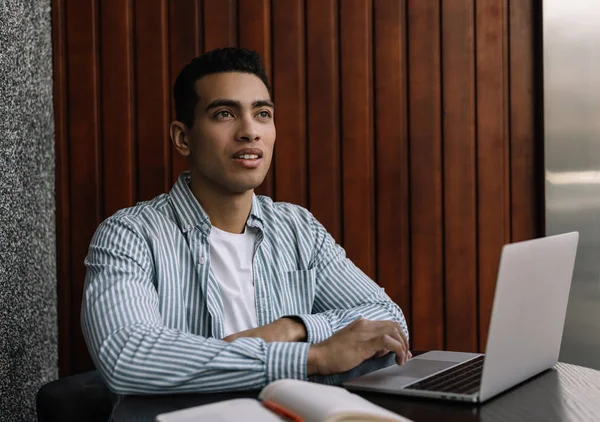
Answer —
(28, 323)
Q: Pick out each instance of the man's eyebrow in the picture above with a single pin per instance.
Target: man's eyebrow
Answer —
(236, 104)
(263, 103)
(223, 103)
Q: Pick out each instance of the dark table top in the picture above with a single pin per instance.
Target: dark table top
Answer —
(562, 393)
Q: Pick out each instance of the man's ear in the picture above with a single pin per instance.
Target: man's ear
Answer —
(179, 137)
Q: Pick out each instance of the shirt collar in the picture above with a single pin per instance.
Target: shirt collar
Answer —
(256, 214)
(191, 214)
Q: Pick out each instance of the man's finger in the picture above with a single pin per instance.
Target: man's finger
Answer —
(400, 338)
(392, 329)
(403, 338)
(397, 347)
(397, 335)
(381, 353)
(393, 325)
(403, 334)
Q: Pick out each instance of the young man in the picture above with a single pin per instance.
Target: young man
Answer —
(210, 287)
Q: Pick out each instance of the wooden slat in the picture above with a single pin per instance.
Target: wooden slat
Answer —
(460, 184)
(492, 154)
(525, 159)
(61, 153)
(152, 98)
(426, 174)
(391, 124)
(220, 24)
(118, 108)
(254, 31)
(289, 89)
(185, 44)
(323, 114)
(84, 158)
(505, 70)
(357, 133)
(255, 28)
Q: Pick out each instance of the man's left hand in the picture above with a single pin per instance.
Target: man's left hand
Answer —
(284, 329)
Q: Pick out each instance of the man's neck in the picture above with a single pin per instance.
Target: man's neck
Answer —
(228, 212)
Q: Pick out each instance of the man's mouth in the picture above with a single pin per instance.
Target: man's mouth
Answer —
(247, 156)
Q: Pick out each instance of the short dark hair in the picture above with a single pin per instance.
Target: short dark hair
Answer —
(230, 59)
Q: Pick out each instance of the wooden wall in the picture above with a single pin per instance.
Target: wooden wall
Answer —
(408, 127)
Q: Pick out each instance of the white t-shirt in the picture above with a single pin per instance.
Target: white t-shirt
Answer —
(231, 262)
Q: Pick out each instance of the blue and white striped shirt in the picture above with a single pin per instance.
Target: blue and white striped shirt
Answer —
(152, 314)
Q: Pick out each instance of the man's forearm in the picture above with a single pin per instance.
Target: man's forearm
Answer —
(320, 326)
(285, 329)
(156, 360)
(312, 362)
(356, 343)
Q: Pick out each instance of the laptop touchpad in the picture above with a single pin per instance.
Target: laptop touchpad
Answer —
(396, 377)
(420, 368)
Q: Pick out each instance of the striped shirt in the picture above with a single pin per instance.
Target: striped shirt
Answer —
(152, 314)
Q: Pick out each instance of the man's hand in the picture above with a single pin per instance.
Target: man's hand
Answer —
(283, 329)
(357, 342)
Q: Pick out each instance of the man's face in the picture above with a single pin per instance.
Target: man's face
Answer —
(233, 134)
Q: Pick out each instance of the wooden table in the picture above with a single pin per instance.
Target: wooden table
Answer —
(563, 393)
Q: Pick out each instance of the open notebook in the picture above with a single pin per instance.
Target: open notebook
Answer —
(289, 400)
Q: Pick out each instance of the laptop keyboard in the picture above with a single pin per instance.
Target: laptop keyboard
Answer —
(461, 379)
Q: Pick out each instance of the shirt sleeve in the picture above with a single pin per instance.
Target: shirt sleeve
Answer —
(343, 292)
(137, 354)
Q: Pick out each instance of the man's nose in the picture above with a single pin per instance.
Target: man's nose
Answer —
(247, 131)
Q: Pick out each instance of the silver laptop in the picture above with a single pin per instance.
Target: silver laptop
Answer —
(524, 336)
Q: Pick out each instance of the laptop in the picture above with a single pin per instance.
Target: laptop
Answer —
(525, 332)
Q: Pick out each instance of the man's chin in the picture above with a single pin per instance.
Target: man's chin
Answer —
(241, 188)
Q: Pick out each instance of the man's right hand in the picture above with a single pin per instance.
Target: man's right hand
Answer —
(357, 342)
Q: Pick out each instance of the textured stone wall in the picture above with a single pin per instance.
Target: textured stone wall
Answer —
(28, 325)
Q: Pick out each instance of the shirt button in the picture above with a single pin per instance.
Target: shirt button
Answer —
(202, 260)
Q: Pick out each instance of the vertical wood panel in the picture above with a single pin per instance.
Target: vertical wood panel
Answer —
(491, 151)
(323, 99)
(289, 85)
(185, 40)
(525, 171)
(61, 153)
(440, 94)
(426, 174)
(254, 29)
(391, 127)
(118, 108)
(460, 185)
(152, 98)
(84, 161)
(357, 133)
(220, 24)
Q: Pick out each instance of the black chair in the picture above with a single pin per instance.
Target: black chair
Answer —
(80, 397)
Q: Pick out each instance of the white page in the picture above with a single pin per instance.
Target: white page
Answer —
(317, 402)
(248, 410)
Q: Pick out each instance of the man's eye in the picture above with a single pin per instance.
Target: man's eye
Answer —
(264, 114)
(223, 114)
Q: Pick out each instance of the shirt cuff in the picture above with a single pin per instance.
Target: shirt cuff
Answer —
(287, 360)
(317, 326)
